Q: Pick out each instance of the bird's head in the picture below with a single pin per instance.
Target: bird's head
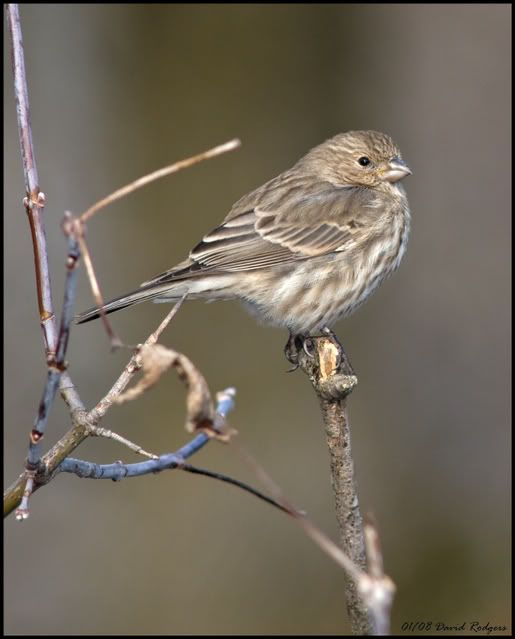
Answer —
(360, 158)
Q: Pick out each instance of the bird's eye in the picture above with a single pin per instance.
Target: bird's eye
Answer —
(364, 161)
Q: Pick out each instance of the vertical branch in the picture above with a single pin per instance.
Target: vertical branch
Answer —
(333, 379)
(35, 199)
(56, 367)
(34, 202)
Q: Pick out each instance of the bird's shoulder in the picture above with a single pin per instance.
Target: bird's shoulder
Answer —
(271, 193)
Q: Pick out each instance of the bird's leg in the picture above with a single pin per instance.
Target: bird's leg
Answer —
(292, 348)
(307, 346)
(321, 356)
(296, 343)
(307, 343)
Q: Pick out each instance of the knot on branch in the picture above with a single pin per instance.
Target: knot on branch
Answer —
(324, 361)
(35, 198)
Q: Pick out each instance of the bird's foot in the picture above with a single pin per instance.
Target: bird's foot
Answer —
(294, 344)
(322, 357)
(297, 343)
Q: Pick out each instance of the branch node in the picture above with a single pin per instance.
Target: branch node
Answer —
(32, 200)
(45, 317)
(35, 436)
(53, 364)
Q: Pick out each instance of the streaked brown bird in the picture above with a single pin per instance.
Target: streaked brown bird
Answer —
(306, 248)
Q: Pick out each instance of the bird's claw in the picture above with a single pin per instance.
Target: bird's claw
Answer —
(307, 347)
(294, 344)
(291, 351)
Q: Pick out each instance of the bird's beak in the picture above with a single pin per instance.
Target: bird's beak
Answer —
(395, 170)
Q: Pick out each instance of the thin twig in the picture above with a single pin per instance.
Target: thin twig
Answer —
(119, 470)
(234, 482)
(34, 199)
(82, 422)
(70, 395)
(156, 175)
(39, 471)
(134, 364)
(22, 512)
(97, 431)
(56, 364)
(95, 286)
(34, 204)
(375, 589)
(320, 538)
(118, 194)
(70, 291)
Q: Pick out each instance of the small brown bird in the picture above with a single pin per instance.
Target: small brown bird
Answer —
(306, 248)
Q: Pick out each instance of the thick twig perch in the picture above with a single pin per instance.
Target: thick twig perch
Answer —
(333, 379)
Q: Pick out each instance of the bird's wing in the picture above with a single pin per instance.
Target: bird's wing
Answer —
(314, 225)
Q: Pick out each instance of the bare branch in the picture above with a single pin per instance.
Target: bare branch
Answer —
(333, 379)
(55, 345)
(82, 424)
(376, 588)
(119, 470)
(122, 192)
(35, 200)
(96, 431)
(134, 364)
(95, 287)
(156, 175)
(201, 412)
(234, 482)
(312, 531)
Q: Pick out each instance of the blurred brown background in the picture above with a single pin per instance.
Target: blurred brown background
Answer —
(118, 91)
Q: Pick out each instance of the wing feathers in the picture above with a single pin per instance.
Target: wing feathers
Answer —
(300, 228)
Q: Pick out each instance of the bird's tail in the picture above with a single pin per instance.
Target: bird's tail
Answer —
(142, 294)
